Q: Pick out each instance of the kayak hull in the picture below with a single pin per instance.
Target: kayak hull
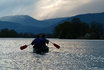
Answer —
(40, 50)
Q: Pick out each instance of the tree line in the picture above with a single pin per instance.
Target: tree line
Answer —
(79, 30)
(75, 29)
(13, 34)
(6, 33)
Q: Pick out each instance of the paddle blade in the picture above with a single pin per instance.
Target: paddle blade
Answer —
(57, 46)
(23, 47)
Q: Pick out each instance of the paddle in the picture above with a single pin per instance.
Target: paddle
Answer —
(24, 47)
(57, 46)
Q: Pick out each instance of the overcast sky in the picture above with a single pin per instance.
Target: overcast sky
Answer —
(46, 9)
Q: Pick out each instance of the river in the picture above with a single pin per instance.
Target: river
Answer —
(74, 54)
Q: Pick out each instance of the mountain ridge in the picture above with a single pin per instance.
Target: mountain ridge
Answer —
(27, 23)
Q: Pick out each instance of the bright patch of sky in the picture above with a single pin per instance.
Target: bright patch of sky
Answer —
(46, 9)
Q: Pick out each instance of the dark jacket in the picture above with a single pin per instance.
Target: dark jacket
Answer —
(40, 45)
(40, 42)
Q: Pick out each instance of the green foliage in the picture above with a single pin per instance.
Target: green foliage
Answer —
(4, 32)
(13, 34)
(77, 29)
(62, 30)
(96, 30)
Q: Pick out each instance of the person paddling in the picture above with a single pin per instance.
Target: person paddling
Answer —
(39, 44)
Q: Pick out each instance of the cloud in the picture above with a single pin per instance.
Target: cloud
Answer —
(46, 9)
(56, 8)
(15, 7)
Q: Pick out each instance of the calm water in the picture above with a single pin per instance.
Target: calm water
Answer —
(73, 55)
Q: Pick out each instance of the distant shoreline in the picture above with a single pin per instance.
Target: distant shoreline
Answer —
(51, 38)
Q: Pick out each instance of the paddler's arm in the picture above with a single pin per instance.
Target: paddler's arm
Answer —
(33, 42)
(47, 41)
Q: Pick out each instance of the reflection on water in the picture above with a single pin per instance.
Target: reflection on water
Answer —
(73, 55)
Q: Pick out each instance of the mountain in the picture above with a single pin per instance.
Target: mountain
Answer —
(16, 26)
(21, 19)
(28, 20)
(96, 17)
(88, 18)
(25, 23)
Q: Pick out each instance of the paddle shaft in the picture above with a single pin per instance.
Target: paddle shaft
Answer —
(57, 46)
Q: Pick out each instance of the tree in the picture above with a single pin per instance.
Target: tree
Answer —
(76, 20)
(26, 35)
(20, 34)
(62, 30)
(79, 28)
(96, 30)
(74, 29)
(4, 32)
(12, 33)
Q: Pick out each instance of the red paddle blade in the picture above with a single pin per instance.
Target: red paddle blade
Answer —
(23, 47)
(57, 46)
